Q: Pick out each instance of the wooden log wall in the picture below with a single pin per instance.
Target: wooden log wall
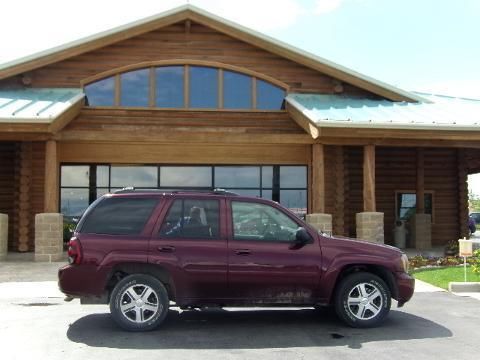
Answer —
(354, 190)
(29, 180)
(7, 186)
(173, 42)
(462, 192)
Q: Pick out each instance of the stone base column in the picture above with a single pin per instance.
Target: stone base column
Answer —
(322, 222)
(3, 236)
(48, 237)
(421, 231)
(370, 227)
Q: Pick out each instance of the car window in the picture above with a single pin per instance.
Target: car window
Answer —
(253, 221)
(191, 219)
(119, 216)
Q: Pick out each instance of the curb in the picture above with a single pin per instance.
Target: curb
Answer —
(461, 287)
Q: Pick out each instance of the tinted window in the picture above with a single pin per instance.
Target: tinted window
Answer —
(119, 216)
(191, 219)
(135, 88)
(73, 201)
(101, 93)
(237, 176)
(186, 176)
(252, 221)
(237, 90)
(75, 175)
(137, 176)
(169, 91)
(269, 97)
(203, 87)
(293, 177)
(407, 205)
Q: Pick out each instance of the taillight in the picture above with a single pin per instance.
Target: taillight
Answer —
(74, 251)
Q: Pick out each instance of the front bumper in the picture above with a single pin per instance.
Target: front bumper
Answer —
(405, 287)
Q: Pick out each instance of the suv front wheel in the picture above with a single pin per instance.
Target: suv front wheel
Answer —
(139, 302)
(362, 300)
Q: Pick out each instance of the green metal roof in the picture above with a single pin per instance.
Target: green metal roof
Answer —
(435, 113)
(36, 105)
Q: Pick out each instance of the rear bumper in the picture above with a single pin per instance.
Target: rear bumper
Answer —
(82, 280)
(405, 287)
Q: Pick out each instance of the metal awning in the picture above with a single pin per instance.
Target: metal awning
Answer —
(39, 110)
(436, 113)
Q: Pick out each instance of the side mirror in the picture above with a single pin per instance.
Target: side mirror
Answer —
(302, 237)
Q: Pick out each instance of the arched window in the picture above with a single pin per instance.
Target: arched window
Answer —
(185, 87)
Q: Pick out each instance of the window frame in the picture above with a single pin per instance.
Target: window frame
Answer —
(152, 66)
(414, 192)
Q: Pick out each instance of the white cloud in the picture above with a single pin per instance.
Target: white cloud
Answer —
(326, 6)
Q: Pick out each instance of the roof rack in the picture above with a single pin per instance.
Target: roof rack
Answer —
(216, 191)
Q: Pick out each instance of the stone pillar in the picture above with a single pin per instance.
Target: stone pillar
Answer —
(48, 237)
(421, 231)
(370, 227)
(322, 222)
(3, 236)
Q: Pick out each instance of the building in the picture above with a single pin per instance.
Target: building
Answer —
(188, 99)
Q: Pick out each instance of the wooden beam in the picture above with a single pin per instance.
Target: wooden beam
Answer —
(369, 201)
(51, 177)
(318, 179)
(304, 122)
(420, 192)
(64, 119)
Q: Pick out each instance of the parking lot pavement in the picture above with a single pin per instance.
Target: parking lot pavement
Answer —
(37, 323)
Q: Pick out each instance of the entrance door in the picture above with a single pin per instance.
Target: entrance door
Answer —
(263, 264)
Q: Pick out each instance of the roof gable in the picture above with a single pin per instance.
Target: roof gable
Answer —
(189, 12)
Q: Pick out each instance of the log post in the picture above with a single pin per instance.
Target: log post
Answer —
(369, 202)
(318, 179)
(51, 177)
(420, 182)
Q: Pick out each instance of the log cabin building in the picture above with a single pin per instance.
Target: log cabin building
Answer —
(186, 99)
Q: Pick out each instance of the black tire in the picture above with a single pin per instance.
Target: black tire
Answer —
(148, 310)
(374, 300)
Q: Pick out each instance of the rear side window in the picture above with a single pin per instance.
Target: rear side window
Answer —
(119, 216)
(191, 219)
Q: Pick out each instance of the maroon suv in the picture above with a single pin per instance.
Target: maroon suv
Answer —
(139, 251)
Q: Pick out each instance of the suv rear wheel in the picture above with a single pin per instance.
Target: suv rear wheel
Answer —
(139, 302)
(362, 300)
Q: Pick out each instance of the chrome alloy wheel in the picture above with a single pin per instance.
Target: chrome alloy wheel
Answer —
(139, 303)
(365, 301)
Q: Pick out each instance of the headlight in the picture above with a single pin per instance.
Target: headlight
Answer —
(404, 262)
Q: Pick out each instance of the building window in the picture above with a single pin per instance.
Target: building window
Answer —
(406, 204)
(164, 87)
(83, 184)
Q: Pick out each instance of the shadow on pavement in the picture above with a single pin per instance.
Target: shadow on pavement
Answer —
(258, 329)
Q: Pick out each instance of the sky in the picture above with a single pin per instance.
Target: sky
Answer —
(422, 45)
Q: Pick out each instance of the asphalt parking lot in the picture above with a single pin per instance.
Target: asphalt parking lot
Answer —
(38, 324)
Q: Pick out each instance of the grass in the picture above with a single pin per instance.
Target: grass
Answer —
(442, 276)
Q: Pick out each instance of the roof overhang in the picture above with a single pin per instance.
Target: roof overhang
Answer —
(38, 111)
(320, 114)
(189, 12)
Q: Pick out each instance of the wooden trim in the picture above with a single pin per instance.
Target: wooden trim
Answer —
(304, 122)
(64, 119)
(51, 178)
(178, 62)
(254, 92)
(220, 88)
(420, 181)
(318, 179)
(153, 87)
(369, 201)
(118, 89)
(186, 86)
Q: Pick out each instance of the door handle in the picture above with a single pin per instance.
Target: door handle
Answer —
(166, 249)
(243, 252)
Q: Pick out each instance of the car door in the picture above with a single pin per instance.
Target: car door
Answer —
(188, 242)
(264, 265)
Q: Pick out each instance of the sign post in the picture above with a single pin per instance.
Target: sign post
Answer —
(465, 249)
